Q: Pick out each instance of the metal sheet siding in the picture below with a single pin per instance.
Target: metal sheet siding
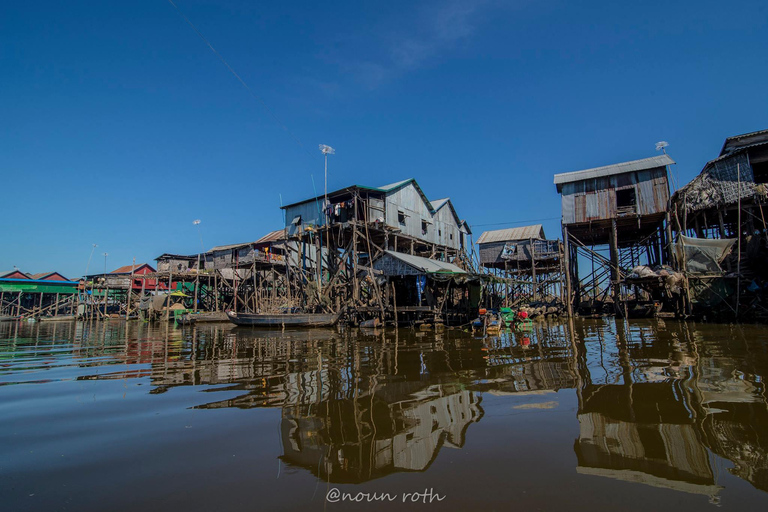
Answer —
(446, 228)
(309, 215)
(644, 197)
(569, 212)
(610, 170)
(505, 235)
(408, 200)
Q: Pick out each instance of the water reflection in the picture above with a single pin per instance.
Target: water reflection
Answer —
(654, 403)
(658, 403)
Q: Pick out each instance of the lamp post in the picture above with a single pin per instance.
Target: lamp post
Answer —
(326, 150)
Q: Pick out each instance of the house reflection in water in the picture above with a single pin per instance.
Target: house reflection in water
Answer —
(351, 441)
(665, 405)
(654, 412)
(624, 436)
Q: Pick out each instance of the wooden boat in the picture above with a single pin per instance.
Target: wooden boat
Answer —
(60, 318)
(186, 319)
(210, 316)
(286, 320)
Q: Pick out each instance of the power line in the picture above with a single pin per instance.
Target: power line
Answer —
(231, 70)
(513, 222)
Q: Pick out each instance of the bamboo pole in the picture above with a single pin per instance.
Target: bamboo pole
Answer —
(130, 289)
(197, 282)
(738, 256)
(567, 265)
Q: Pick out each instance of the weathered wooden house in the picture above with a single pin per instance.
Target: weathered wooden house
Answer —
(620, 208)
(14, 274)
(332, 245)
(178, 263)
(427, 288)
(707, 207)
(632, 196)
(49, 276)
(414, 223)
(527, 258)
(42, 294)
(129, 277)
(727, 200)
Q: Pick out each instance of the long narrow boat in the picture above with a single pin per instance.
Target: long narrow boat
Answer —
(287, 320)
(60, 318)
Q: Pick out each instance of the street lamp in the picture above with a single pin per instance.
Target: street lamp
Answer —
(326, 150)
(196, 222)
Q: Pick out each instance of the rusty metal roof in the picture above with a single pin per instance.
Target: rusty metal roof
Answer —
(744, 140)
(535, 231)
(273, 236)
(230, 246)
(610, 170)
(127, 269)
(426, 265)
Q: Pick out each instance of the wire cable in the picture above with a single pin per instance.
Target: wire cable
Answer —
(252, 93)
(513, 222)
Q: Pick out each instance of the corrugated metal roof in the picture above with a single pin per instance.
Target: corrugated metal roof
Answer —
(427, 265)
(733, 143)
(505, 235)
(610, 170)
(391, 186)
(273, 236)
(347, 190)
(9, 272)
(47, 275)
(167, 255)
(439, 203)
(230, 246)
(127, 269)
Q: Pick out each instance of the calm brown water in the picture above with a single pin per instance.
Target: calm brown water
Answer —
(600, 415)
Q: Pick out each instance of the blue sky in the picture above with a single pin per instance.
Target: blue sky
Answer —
(119, 126)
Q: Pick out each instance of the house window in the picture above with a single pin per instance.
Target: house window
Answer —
(439, 232)
(451, 236)
(625, 201)
(401, 217)
(424, 225)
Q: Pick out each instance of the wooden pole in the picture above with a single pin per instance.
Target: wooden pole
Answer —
(168, 298)
(235, 276)
(130, 289)
(355, 293)
(533, 268)
(216, 289)
(143, 287)
(738, 256)
(197, 282)
(56, 307)
(394, 304)
(615, 287)
(255, 289)
(567, 265)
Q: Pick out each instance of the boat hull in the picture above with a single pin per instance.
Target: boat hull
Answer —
(278, 321)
